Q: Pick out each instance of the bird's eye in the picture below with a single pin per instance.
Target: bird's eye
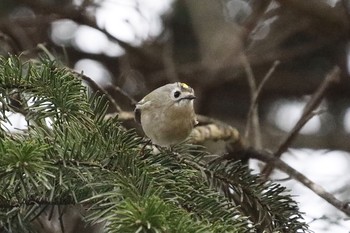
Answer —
(177, 94)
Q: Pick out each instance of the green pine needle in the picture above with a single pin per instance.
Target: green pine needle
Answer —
(71, 155)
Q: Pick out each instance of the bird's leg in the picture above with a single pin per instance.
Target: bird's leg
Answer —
(163, 148)
(142, 151)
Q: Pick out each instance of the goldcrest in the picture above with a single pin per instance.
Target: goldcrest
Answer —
(166, 114)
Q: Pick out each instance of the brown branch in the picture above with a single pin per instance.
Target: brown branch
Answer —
(123, 116)
(95, 86)
(332, 77)
(256, 94)
(262, 83)
(214, 132)
(124, 93)
(253, 121)
(317, 189)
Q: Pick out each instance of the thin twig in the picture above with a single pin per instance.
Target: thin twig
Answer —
(257, 93)
(284, 167)
(95, 86)
(253, 121)
(124, 93)
(262, 83)
(332, 77)
(317, 189)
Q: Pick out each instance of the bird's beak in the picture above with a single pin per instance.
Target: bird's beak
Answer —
(189, 97)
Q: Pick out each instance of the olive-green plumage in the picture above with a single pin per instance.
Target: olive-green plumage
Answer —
(166, 114)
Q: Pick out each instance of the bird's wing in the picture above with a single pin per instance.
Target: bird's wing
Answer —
(137, 115)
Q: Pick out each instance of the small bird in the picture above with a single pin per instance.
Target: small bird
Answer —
(166, 114)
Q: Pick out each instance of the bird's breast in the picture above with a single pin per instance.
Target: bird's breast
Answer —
(168, 127)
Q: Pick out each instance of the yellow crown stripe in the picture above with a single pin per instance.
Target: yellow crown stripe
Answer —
(184, 85)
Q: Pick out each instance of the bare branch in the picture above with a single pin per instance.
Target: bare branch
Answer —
(124, 93)
(214, 132)
(262, 83)
(317, 189)
(95, 86)
(332, 77)
(252, 122)
(254, 102)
